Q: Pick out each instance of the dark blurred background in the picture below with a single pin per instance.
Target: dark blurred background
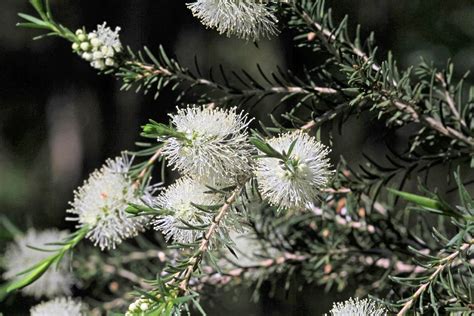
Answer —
(59, 120)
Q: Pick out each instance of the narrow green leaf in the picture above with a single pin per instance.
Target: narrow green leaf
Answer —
(418, 199)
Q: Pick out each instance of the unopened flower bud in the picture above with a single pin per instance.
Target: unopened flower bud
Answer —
(75, 46)
(85, 46)
(109, 62)
(81, 37)
(98, 64)
(95, 42)
(98, 55)
(87, 56)
(108, 51)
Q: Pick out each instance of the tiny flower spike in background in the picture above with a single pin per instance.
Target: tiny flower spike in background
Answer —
(139, 307)
(356, 307)
(179, 199)
(101, 203)
(293, 180)
(99, 47)
(19, 257)
(214, 144)
(247, 19)
(63, 306)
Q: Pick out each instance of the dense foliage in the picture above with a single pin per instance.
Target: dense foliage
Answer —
(299, 212)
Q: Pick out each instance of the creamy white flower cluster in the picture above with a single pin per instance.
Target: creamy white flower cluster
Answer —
(63, 306)
(211, 148)
(101, 203)
(139, 307)
(215, 145)
(356, 307)
(19, 256)
(247, 19)
(181, 199)
(212, 151)
(99, 47)
(296, 182)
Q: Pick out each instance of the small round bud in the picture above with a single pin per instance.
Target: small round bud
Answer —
(109, 62)
(79, 32)
(91, 36)
(81, 37)
(98, 55)
(75, 46)
(95, 42)
(87, 56)
(98, 64)
(108, 51)
(144, 306)
(85, 46)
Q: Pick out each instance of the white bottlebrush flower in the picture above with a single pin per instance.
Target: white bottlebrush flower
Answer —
(19, 257)
(246, 19)
(356, 307)
(215, 147)
(102, 201)
(58, 307)
(178, 199)
(99, 47)
(296, 183)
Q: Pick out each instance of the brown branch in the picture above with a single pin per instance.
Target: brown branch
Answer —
(213, 277)
(139, 255)
(326, 36)
(443, 263)
(432, 123)
(325, 117)
(450, 99)
(330, 36)
(150, 163)
(126, 274)
(151, 70)
(194, 261)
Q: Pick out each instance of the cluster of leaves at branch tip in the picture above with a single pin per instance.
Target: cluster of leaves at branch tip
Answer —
(161, 131)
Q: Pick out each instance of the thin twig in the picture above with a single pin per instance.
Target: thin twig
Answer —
(450, 100)
(194, 261)
(126, 274)
(150, 163)
(402, 106)
(443, 263)
(325, 117)
(152, 70)
(138, 255)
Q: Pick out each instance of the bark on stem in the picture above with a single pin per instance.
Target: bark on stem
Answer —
(194, 261)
